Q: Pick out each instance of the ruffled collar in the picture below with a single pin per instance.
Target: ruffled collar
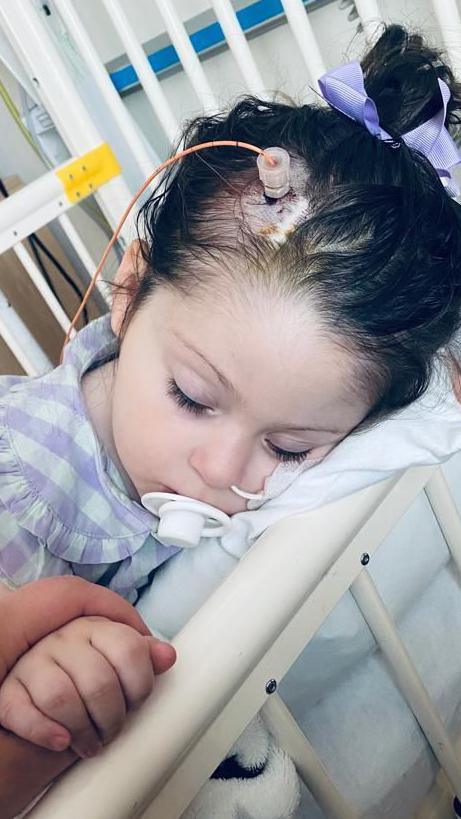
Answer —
(56, 477)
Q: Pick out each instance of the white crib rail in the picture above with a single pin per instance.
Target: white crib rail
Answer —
(20, 341)
(89, 262)
(287, 732)
(370, 17)
(304, 35)
(187, 55)
(237, 43)
(250, 631)
(35, 274)
(449, 20)
(145, 156)
(146, 76)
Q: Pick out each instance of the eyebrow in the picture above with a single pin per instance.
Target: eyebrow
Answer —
(295, 428)
(229, 386)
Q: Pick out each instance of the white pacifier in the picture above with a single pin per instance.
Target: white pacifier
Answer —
(184, 521)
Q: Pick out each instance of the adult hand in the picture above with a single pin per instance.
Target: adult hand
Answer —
(26, 616)
(42, 606)
(75, 686)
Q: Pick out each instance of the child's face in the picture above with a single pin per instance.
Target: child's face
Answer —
(214, 391)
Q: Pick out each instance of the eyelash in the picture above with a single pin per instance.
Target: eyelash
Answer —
(288, 457)
(184, 402)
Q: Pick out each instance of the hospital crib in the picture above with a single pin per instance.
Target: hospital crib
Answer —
(234, 653)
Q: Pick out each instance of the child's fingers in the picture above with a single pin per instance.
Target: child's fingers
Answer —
(129, 655)
(53, 690)
(42, 606)
(101, 693)
(54, 694)
(19, 715)
(163, 654)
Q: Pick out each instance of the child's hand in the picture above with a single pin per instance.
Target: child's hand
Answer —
(42, 606)
(75, 686)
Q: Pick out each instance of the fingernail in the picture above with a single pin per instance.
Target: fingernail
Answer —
(59, 742)
(87, 753)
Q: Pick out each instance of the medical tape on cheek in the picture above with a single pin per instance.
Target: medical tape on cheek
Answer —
(280, 479)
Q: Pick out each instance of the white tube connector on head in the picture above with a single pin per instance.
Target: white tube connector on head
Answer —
(274, 177)
(184, 521)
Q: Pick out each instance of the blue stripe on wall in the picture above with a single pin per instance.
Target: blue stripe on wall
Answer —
(249, 17)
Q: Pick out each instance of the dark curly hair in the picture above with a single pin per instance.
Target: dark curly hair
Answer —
(379, 251)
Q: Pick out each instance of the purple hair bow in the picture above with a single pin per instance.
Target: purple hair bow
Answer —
(344, 89)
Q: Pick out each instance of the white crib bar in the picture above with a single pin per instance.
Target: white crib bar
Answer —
(238, 44)
(144, 70)
(446, 513)
(23, 24)
(187, 55)
(20, 341)
(47, 295)
(304, 35)
(146, 158)
(289, 736)
(30, 208)
(84, 255)
(449, 20)
(370, 17)
(381, 624)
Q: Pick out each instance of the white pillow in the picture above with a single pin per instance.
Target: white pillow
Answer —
(427, 432)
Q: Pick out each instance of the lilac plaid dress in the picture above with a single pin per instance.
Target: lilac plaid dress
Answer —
(64, 508)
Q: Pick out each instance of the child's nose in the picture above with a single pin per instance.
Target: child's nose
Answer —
(221, 464)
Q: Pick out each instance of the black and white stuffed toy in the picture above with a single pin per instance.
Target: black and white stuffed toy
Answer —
(257, 780)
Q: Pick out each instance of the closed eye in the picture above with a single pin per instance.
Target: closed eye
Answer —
(184, 401)
(286, 456)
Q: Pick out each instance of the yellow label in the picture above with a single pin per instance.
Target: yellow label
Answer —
(82, 176)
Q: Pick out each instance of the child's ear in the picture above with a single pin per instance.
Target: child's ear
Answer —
(126, 281)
